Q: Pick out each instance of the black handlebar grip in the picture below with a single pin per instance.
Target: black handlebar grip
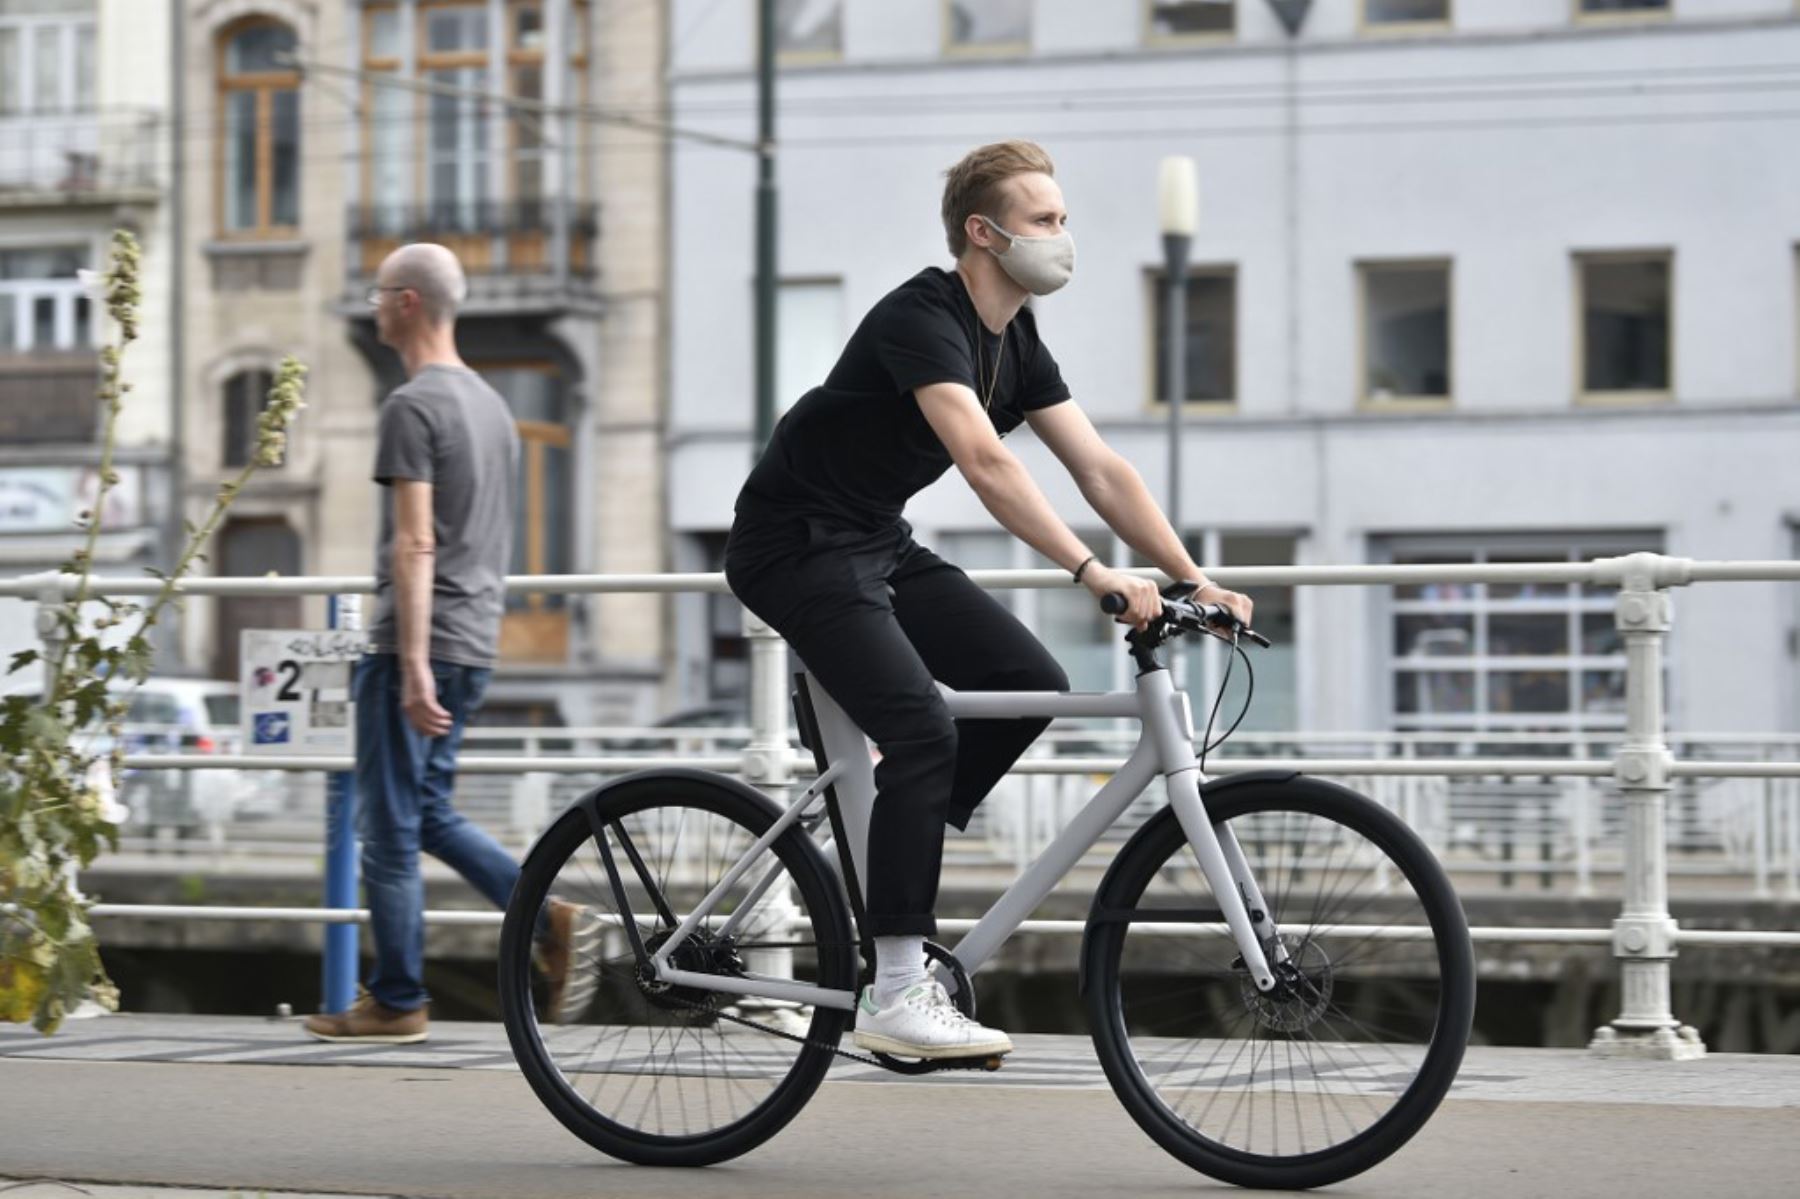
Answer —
(1112, 603)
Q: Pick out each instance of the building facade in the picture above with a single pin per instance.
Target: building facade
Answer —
(84, 149)
(326, 134)
(1475, 280)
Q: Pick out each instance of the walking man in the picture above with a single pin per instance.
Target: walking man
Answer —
(447, 459)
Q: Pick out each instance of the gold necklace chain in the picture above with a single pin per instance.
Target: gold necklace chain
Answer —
(999, 353)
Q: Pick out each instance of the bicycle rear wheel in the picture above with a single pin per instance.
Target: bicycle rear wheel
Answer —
(659, 1074)
(1336, 1069)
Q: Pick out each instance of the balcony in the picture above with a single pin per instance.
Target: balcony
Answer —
(72, 156)
(49, 397)
(507, 250)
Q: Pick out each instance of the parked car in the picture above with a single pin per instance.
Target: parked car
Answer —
(699, 718)
(191, 716)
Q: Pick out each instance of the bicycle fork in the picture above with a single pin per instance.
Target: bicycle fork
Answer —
(1169, 718)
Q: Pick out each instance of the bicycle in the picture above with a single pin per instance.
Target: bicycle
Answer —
(1292, 1030)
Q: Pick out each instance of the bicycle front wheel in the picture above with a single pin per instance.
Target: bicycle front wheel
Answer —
(653, 1073)
(1351, 1053)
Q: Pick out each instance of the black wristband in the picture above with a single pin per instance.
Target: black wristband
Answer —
(1091, 559)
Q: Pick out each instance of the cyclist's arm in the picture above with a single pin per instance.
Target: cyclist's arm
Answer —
(1113, 487)
(1008, 491)
(1115, 490)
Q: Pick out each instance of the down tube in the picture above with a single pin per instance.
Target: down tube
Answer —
(1058, 858)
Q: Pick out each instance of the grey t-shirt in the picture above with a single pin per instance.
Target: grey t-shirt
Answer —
(445, 426)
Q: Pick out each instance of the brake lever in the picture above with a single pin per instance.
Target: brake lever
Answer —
(1218, 616)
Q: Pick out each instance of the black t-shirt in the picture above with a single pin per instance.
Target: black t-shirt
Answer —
(853, 451)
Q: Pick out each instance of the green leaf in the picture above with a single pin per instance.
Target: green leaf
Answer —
(21, 660)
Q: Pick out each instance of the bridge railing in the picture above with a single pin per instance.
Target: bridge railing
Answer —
(1737, 836)
(1642, 766)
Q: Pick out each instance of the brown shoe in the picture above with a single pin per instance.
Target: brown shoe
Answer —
(569, 958)
(369, 1023)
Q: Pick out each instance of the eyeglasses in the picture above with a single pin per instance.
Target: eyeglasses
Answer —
(374, 296)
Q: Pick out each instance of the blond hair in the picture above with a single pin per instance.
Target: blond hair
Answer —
(973, 185)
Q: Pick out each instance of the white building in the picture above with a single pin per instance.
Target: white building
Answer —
(84, 149)
(1474, 280)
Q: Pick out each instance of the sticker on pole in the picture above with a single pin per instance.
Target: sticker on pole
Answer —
(296, 689)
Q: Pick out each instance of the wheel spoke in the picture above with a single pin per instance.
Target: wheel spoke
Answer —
(652, 1064)
(1303, 1070)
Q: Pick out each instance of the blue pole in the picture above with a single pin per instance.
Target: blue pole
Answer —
(340, 856)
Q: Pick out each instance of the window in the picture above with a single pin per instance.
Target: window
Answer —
(1625, 322)
(987, 26)
(1387, 14)
(1621, 8)
(1084, 640)
(810, 333)
(536, 625)
(259, 143)
(46, 58)
(1183, 20)
(42, 304)
(1275, 706)
(1492, 656)
(1211, 347)
(1406, 331)
(1200, 665)
(454, 54)
(246, 395)
(456, 167)
(809, 29)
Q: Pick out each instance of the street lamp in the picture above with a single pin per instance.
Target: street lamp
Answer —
(1178, 201)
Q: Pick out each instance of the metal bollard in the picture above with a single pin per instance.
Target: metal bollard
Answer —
(1644, 934)
(340, 964)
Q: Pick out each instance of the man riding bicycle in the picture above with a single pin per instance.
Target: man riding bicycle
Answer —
(940, 370)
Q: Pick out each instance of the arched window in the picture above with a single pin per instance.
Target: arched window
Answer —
(259, 130)
(246, 394)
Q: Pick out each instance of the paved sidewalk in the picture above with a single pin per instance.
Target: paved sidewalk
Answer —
(211, 1103)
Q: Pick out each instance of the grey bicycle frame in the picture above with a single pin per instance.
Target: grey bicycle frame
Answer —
(1166, 748)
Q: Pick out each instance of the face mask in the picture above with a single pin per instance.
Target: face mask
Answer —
(1038, 264)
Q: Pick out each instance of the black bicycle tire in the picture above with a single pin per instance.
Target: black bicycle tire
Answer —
(1104, 940)
(824, 898)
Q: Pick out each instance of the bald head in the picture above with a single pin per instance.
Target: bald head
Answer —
(433, 272)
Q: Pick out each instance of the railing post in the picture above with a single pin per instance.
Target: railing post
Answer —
(340, 964)
(50, 629)
(1792, 792)
(1644, 933)
(769, 767)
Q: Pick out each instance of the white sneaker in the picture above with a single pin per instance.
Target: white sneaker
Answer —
(923, 1023)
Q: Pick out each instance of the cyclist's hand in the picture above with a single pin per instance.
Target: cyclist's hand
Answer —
(1240, 605)
(1143, 601)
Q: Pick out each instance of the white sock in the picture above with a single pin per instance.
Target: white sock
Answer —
(899, 966)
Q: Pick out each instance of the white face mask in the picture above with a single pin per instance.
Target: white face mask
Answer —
(1038, 264)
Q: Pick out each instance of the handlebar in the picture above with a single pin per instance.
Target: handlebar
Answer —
(1192, 617)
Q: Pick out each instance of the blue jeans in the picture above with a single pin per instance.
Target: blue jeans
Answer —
(403, 784)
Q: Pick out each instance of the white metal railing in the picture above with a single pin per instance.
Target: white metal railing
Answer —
(1740, 834)
(1642, 767)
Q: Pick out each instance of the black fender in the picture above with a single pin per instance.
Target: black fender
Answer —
(1103, 895)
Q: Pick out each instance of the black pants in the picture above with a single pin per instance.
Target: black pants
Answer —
(876, 618)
